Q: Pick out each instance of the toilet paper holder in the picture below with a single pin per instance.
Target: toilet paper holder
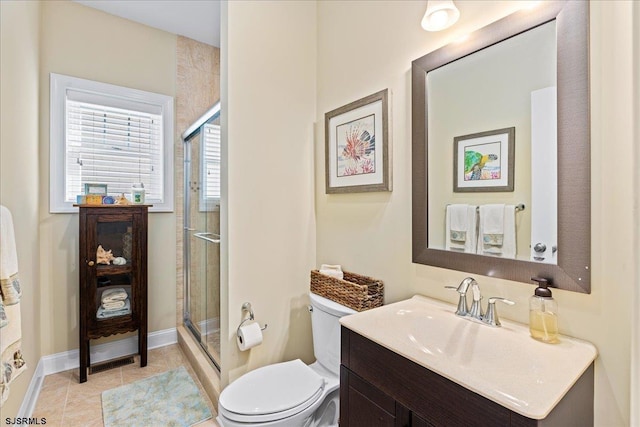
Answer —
(247, 307)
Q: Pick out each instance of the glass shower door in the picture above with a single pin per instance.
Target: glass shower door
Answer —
(202, 236)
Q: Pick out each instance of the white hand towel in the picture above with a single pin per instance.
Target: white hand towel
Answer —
(488, 242)
(492, 220)
(114, 294)
(460, 228)
(9, 281)
(115, 305)
(11, 358)
(105, 314)
(332, 270)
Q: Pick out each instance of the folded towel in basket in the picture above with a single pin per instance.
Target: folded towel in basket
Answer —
(332, 270)
(114, 294)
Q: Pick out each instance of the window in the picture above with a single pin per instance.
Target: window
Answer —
(106, 134)
(210, 168)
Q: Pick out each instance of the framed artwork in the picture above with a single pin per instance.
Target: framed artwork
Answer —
(357, 146)
(100, 189)
(484, 162)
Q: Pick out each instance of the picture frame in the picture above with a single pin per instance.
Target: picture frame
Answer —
(358, 147)
(92, 188)
(484, 161)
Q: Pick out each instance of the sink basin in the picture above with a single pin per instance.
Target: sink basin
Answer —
(502, 364)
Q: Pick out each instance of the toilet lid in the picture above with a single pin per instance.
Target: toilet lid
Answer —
(272, 389)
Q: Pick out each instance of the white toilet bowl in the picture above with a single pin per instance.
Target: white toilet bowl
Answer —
(283, 394)
(292, 394)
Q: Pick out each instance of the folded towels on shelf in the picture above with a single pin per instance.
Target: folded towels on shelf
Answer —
(114, 294)
(497, 230)
(105, 314)
(332, 270)
(115, 305)
(461, 224)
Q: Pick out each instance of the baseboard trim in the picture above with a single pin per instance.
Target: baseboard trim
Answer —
(67, 360)
(33, 391)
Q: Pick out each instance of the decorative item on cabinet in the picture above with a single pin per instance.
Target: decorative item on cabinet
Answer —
(122, 200)
(113, 296)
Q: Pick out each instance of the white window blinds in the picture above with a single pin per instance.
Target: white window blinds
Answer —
(210, 167)
(113, 146)
(107, 134)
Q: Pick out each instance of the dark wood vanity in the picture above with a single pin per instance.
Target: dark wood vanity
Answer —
(379, 387)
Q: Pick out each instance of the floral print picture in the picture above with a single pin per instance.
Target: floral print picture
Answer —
(356, 147)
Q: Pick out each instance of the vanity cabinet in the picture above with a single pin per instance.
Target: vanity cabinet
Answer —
(379, 387)
(122, 230)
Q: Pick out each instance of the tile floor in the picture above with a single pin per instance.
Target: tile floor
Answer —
(65, 402)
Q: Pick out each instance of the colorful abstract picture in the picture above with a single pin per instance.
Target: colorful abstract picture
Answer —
(356, 147)
(484, 161)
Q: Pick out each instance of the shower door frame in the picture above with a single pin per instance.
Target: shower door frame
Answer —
(186, 241)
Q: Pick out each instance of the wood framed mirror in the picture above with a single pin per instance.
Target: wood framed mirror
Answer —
(571, 269)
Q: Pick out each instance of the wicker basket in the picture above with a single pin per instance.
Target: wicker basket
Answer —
(355, 291)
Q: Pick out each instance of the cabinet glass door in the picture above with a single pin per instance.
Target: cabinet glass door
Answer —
(115, 293)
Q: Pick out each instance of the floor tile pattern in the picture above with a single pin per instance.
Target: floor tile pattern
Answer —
(63, 401)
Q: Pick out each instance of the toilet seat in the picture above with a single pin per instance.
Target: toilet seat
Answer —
(271, 393)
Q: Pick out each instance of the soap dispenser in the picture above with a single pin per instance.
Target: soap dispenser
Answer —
(543, 313)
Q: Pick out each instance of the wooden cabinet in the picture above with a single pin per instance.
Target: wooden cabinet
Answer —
(113, 296)
(381, 388)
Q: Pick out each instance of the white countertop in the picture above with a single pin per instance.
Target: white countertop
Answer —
(503, 364)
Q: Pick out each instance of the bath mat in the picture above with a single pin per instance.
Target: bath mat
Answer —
(167, 399)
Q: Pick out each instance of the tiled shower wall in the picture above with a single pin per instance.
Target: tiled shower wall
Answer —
(197, 89)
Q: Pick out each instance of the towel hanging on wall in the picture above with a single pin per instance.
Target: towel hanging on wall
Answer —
(497, 230)
(10, 293)
(461, 224)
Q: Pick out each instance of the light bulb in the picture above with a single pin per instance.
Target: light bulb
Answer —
(438, 19)
(440, 14)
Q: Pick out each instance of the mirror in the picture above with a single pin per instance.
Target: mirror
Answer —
(493, 90)
(448, 84)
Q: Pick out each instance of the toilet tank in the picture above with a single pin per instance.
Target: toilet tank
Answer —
(325, 325)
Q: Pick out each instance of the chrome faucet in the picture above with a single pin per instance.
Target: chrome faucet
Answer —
(462, 288)
(476, 305)
(491, 317)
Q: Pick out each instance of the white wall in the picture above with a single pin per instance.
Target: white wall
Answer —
(19, 52)
(365, 46)
(268, 80)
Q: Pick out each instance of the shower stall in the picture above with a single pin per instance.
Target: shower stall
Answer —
(201, 235)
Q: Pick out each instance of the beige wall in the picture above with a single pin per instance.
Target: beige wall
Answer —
(19, 48)
(90, 44)
(635, 321)
(365, 46)
(268, 79)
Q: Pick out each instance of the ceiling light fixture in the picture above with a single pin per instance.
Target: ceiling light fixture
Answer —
(440, 14)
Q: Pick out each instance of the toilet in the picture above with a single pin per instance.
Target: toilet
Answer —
(292, 394)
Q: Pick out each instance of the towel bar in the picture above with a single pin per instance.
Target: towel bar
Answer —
(519, 207)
